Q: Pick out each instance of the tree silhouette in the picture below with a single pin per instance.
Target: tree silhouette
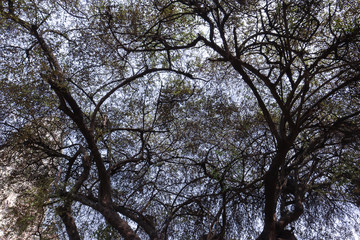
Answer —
(185, 119)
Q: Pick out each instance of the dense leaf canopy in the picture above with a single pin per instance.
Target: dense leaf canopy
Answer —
(180, 119)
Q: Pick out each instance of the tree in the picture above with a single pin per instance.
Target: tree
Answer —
(184, 118)
(26, 179)
(101, 145)
(295, 58)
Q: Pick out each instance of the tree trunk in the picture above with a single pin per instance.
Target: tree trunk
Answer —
(272, 194)
(119, 224)
(69, 222)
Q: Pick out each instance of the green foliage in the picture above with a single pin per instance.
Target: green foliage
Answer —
(29, 210)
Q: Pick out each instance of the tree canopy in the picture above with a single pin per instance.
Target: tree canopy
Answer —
(180, 119)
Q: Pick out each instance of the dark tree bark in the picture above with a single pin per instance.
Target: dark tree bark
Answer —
(66, 216)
